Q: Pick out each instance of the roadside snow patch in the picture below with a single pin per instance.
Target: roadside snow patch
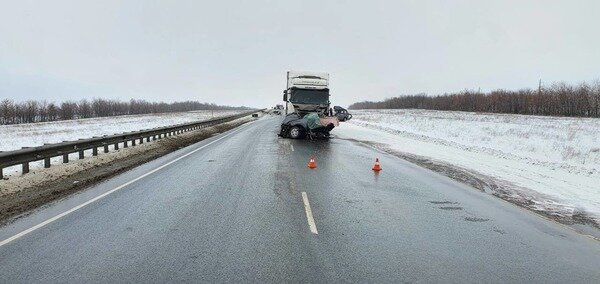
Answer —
(551, 164)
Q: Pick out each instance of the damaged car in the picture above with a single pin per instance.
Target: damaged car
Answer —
(310, 126)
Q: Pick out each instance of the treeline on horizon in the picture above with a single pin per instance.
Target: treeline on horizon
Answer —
(559, 99)
(12, 112)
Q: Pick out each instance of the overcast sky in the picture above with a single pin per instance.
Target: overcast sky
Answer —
(237, 52)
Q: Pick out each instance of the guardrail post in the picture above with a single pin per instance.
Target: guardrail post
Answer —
(146, 134)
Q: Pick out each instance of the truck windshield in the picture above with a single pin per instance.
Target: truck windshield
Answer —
(309, 96)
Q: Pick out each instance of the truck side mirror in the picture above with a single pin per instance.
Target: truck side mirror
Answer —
(285, 95)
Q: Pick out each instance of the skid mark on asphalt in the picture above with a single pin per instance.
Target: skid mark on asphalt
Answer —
(443, 202)
(451, 208)
(499, 231)
(285, 175)
(458, 208)
(476, 219)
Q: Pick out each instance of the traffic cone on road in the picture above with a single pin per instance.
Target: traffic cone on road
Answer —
(312, 164)
(377, 167)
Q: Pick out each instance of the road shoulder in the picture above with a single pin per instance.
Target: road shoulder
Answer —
(20, 195)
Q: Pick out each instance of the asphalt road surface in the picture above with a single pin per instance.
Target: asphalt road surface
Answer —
(244, 207)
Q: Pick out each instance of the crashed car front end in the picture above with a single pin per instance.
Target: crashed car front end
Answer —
(310, 125)
(291, 120)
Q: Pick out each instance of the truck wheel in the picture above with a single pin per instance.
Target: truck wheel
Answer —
(295, 132)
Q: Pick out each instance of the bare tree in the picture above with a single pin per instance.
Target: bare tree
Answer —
(43, 111)
(84, 109)
(30, 110)
(34, 111)
(68, 110)
(52, 112)
(559, 99)
(7, 111)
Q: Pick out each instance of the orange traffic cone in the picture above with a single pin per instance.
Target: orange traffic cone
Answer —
(377, 167)
(312, 164)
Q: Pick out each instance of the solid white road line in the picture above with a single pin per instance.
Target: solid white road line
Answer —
(292, 146)
(42, 224)
(309, 215)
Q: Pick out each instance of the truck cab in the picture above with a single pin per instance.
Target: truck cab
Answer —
(306, 92)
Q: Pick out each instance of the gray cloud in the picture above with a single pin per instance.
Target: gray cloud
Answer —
(237, 52)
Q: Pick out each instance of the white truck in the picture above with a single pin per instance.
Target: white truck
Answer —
(307, 106)
(306, 92)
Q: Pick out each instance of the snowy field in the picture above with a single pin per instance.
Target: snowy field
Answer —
(552, 162)
(14, 137)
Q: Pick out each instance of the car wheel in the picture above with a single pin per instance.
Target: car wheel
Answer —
(295, 132)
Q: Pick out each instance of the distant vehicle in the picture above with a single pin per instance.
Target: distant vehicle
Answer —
(341, 113)
(280, 107)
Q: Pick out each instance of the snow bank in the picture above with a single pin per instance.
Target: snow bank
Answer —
(553, 161)
(14, 137)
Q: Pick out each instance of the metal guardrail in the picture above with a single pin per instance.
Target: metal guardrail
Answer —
(46, 152)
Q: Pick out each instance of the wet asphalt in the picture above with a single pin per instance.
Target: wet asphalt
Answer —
(233, 212)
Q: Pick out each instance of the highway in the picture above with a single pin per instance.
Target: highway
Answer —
(243, 206)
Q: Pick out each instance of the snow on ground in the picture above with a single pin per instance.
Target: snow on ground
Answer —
(40, 176)
(14, 137)
(554, 161)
